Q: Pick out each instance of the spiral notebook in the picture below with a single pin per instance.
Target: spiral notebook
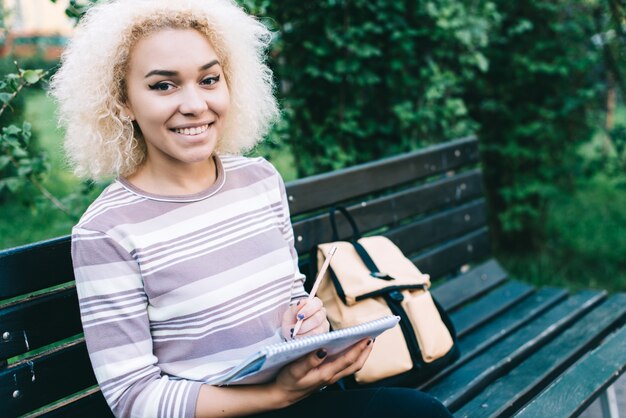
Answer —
(263, 365)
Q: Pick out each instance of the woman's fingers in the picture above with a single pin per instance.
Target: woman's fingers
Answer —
(308, 308)
(312, 314)
(356, 365)
(289, 319)
(315, 324)
(314, 370)
(348, 362)
(299, 370)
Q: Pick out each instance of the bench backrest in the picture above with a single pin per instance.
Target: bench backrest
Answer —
(429, 202)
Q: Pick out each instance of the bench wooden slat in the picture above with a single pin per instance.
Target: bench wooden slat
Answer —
(391, 209)
(489, 306)
(53, 380)
(89, 403)
(517, 316)
(39, 321)
(573, 391)
(480, 279)
(34, 267)
(327, 189)
(479, 340)
(449, 257)
(465, 382)
(510, 392)
(442, 227)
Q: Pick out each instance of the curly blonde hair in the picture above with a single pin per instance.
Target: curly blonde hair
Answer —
(90, 89)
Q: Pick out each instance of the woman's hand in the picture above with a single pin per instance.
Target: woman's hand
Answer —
(314, 371)
(314, 318)
(294, 382)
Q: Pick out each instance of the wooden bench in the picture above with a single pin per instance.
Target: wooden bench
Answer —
(523, 349)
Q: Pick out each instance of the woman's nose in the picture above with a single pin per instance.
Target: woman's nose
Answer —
(192, 101)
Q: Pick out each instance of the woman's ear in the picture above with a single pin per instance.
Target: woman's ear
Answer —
(127, 112)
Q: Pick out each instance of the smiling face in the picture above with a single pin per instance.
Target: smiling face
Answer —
(178, 96)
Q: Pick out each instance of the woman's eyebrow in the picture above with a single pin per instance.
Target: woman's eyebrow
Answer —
(209, 65)
(165, 73)
(168, 73)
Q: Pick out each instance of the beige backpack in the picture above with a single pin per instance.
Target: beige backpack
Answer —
(369, 277)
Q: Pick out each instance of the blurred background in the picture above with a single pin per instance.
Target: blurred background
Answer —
(541, 83)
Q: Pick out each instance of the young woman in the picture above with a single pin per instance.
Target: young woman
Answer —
(185, 264)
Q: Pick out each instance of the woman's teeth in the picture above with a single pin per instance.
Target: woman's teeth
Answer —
(192, 131)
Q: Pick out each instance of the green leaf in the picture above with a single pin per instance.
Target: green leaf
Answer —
(20, 152)
(12, 183)
(11, 130)
(482, 62)
(5, 97)
(24, 171)
(32, 76)
(4, 161)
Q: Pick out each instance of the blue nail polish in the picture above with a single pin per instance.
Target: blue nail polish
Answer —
(300, 316)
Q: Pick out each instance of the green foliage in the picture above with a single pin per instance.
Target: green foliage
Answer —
(618, 134)
(605, 156)
(7, 66)
(20, 164)
(584, 245)
(534, 106)
(17, 163)
(363, 79)
(23, 167)
(77, 8)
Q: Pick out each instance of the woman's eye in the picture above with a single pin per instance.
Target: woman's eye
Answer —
(209, 81)
(161, 86)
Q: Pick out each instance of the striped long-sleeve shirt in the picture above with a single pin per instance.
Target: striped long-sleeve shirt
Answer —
(175, 290)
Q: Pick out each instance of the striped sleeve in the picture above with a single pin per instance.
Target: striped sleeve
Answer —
(297, 290)
(113, 307)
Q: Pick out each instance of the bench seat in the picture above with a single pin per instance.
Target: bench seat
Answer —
(574, 390)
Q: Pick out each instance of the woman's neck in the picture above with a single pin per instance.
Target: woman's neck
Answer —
(190, 179)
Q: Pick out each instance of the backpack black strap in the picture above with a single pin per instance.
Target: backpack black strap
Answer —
(356, 235)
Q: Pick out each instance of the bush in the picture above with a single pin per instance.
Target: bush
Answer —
(534, 107)
(16, 112)
(18, 158)
(585, 244)
(363, 79)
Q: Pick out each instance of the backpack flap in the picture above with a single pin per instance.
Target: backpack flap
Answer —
(354, 280)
